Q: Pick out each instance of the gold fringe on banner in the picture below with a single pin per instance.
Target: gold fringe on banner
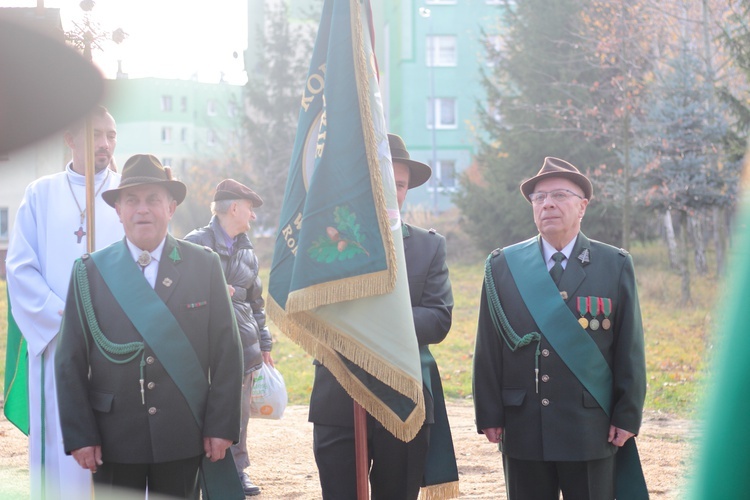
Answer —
(443, 491)
(322, 341)
(333, 292)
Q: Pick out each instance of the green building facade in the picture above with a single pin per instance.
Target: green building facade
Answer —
(181, 122)
(430, 53)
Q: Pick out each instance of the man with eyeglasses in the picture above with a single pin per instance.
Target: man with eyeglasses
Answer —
(559, 367)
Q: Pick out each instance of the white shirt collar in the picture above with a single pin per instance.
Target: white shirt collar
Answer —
(135, 252)
(549, 250)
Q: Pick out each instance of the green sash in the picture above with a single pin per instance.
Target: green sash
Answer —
(555, 321)
(576, 348)
(440, 478)
(161, 331)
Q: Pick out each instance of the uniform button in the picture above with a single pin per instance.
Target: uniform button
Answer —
(150, 360)
(151, 385)
(152, 411)
(545, 378)
(545, 402)
(545, 352)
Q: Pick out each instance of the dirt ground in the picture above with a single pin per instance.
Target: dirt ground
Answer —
(284, 467)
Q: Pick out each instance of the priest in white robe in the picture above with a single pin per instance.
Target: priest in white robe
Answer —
(48, 235)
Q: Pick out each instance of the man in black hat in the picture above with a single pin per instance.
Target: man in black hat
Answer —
(559, 369)
(233, 211)
(149, 365)
(397, 469)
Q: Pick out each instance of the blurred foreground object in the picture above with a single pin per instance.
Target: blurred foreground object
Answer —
(44, 85)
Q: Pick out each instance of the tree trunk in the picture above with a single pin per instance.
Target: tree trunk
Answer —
(720, 239)
(671, 241)
(685, 298)
(699, 247)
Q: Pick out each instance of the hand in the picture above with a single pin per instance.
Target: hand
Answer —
(494, 434)
(215, 448)
(230, 288)
(618, 436)
(89, 457)
(267, 359)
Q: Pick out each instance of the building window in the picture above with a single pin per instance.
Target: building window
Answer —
(166, 103)
(446, 171)
(4, 223)
(183, 135)
(441, 50)
(183, 104)
(232, 110)
(443, 176)
(440, 2)
(166, 162)
(211, 107)
(211, 138)
(166, 135)
(443, 111)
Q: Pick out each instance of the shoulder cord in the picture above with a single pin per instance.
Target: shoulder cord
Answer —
(500, 320)
(105, 346)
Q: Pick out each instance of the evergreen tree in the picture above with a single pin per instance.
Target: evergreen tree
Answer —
(736, 37)
(680, 141)
(538, 79)
(273, 94)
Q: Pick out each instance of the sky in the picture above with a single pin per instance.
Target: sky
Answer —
(181, 39)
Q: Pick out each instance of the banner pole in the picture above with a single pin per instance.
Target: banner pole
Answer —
(360, 452)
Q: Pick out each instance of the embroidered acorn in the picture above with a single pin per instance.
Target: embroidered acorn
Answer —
(342, 245)
(333, 233)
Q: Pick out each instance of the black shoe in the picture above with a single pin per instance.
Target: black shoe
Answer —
(250, 489)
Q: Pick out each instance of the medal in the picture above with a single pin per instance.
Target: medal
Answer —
(607, 310)
(594, 324)
(584, 306)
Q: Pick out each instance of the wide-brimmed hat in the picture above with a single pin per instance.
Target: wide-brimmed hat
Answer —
(555, 167)
(146, 169)
(230, 189)
(419, 173)
(44, 85)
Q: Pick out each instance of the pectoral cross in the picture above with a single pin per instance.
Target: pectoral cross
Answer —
(80, 233)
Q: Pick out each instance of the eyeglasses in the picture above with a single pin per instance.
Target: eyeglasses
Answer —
(558, 195)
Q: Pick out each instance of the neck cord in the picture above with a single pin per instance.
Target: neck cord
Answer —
(83, 211)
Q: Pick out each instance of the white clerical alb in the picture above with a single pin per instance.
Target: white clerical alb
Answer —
(43, 247)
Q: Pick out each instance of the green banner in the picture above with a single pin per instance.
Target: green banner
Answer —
(723, 458)
(16, 407)
(338, 280)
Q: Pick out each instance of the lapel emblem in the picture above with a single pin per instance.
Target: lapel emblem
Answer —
(584, 256)
(166, 282)
(175, 256)
(564, 295)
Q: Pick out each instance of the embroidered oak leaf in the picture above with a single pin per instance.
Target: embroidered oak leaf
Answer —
(342, 242)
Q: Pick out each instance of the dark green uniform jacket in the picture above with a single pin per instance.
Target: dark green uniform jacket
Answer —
(105, 407)
(562, 422)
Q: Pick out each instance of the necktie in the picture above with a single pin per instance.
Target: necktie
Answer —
(557, 269)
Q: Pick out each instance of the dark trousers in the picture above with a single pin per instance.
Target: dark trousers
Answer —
(396, 468)
(167, 479)
(533, 480)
